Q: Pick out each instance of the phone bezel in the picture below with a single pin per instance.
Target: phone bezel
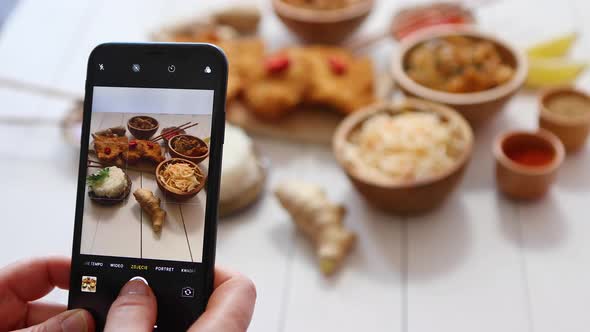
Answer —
(118, 55)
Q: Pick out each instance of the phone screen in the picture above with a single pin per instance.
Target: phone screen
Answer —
(149, 178)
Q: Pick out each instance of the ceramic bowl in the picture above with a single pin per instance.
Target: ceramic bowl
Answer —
(409, 197)
(521, 181)
(140, 133)
(476, 107)
(323, 26)
(572, 131)
(176, 154)
(174, 193)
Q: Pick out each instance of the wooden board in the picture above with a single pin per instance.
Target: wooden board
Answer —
(306, 125)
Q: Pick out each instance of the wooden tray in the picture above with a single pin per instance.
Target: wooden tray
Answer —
(314, 126)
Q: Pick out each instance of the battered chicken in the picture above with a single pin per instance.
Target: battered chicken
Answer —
(339, 80)
(119, 150)
(144, 150)
(111, 150)
(282, 87)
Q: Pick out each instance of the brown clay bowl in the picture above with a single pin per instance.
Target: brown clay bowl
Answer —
(476, 107)
(174, 193)
(112, 200)
(572, 131)
(142, 133)
(323, 26)
(525, 182)
(176, 154)
(409, 197)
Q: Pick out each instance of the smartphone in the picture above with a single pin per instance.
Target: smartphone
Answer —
(148, 187)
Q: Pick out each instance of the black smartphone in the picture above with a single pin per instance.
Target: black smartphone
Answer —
(149, 173)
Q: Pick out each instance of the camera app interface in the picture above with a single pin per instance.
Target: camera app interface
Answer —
(144, 206)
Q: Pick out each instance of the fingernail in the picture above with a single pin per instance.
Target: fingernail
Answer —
(135, 287)
(76, 322)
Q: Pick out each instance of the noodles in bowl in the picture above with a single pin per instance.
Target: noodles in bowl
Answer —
(180, 178)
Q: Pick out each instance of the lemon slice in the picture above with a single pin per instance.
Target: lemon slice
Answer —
(553, 72)
(551, 48)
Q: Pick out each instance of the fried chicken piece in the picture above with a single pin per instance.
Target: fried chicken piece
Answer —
(144, 150)
(244, 56)
(281, 88)
(339, 79)
(111, 150)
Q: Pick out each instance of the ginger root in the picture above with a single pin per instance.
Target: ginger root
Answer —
(320, 220)
(151, 205)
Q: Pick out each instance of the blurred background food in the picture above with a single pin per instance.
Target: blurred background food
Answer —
(425, 234)
(405, 157)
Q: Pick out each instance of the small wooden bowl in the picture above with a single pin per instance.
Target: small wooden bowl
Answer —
(113, 200)
(403, 197)
(323, 26)
(476, 107)
(572, 131)
(176, 154)
(520, 181)
(142, 133)
(176, 194)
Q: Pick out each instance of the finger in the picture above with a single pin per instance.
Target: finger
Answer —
(38, 312)
(33, 279)
(70, 321)
(231, 305)
(134, 310)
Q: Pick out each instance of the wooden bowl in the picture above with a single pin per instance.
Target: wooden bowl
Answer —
(476, 107)
(520, 181)
(142, 133)
(323, 26)
(113, 200)
(403, 197)
(572, 131)
(176, 154)
(174, 193)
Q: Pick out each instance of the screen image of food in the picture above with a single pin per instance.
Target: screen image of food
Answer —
(147, 170)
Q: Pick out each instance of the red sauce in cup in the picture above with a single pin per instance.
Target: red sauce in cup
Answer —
(531, 156)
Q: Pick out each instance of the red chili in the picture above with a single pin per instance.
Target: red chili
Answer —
(277, 63)
(107, 150)
(150, 145)
(338, 65)
(132, 144)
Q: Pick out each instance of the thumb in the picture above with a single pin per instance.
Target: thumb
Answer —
(135, 309)
(70, 321)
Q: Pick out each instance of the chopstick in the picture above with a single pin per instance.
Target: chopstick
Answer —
(175, 130)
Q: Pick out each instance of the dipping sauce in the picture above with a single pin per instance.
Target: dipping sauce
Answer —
(534, 154)
(569, 105)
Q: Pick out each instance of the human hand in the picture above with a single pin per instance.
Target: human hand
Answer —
(21, 284)
(229, 309)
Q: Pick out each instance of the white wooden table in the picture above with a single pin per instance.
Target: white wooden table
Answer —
(480, 263)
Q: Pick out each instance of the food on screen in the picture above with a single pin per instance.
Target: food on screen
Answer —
(151, 205)
(108, 185)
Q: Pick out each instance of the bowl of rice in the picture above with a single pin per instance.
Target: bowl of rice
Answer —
(404, 157)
